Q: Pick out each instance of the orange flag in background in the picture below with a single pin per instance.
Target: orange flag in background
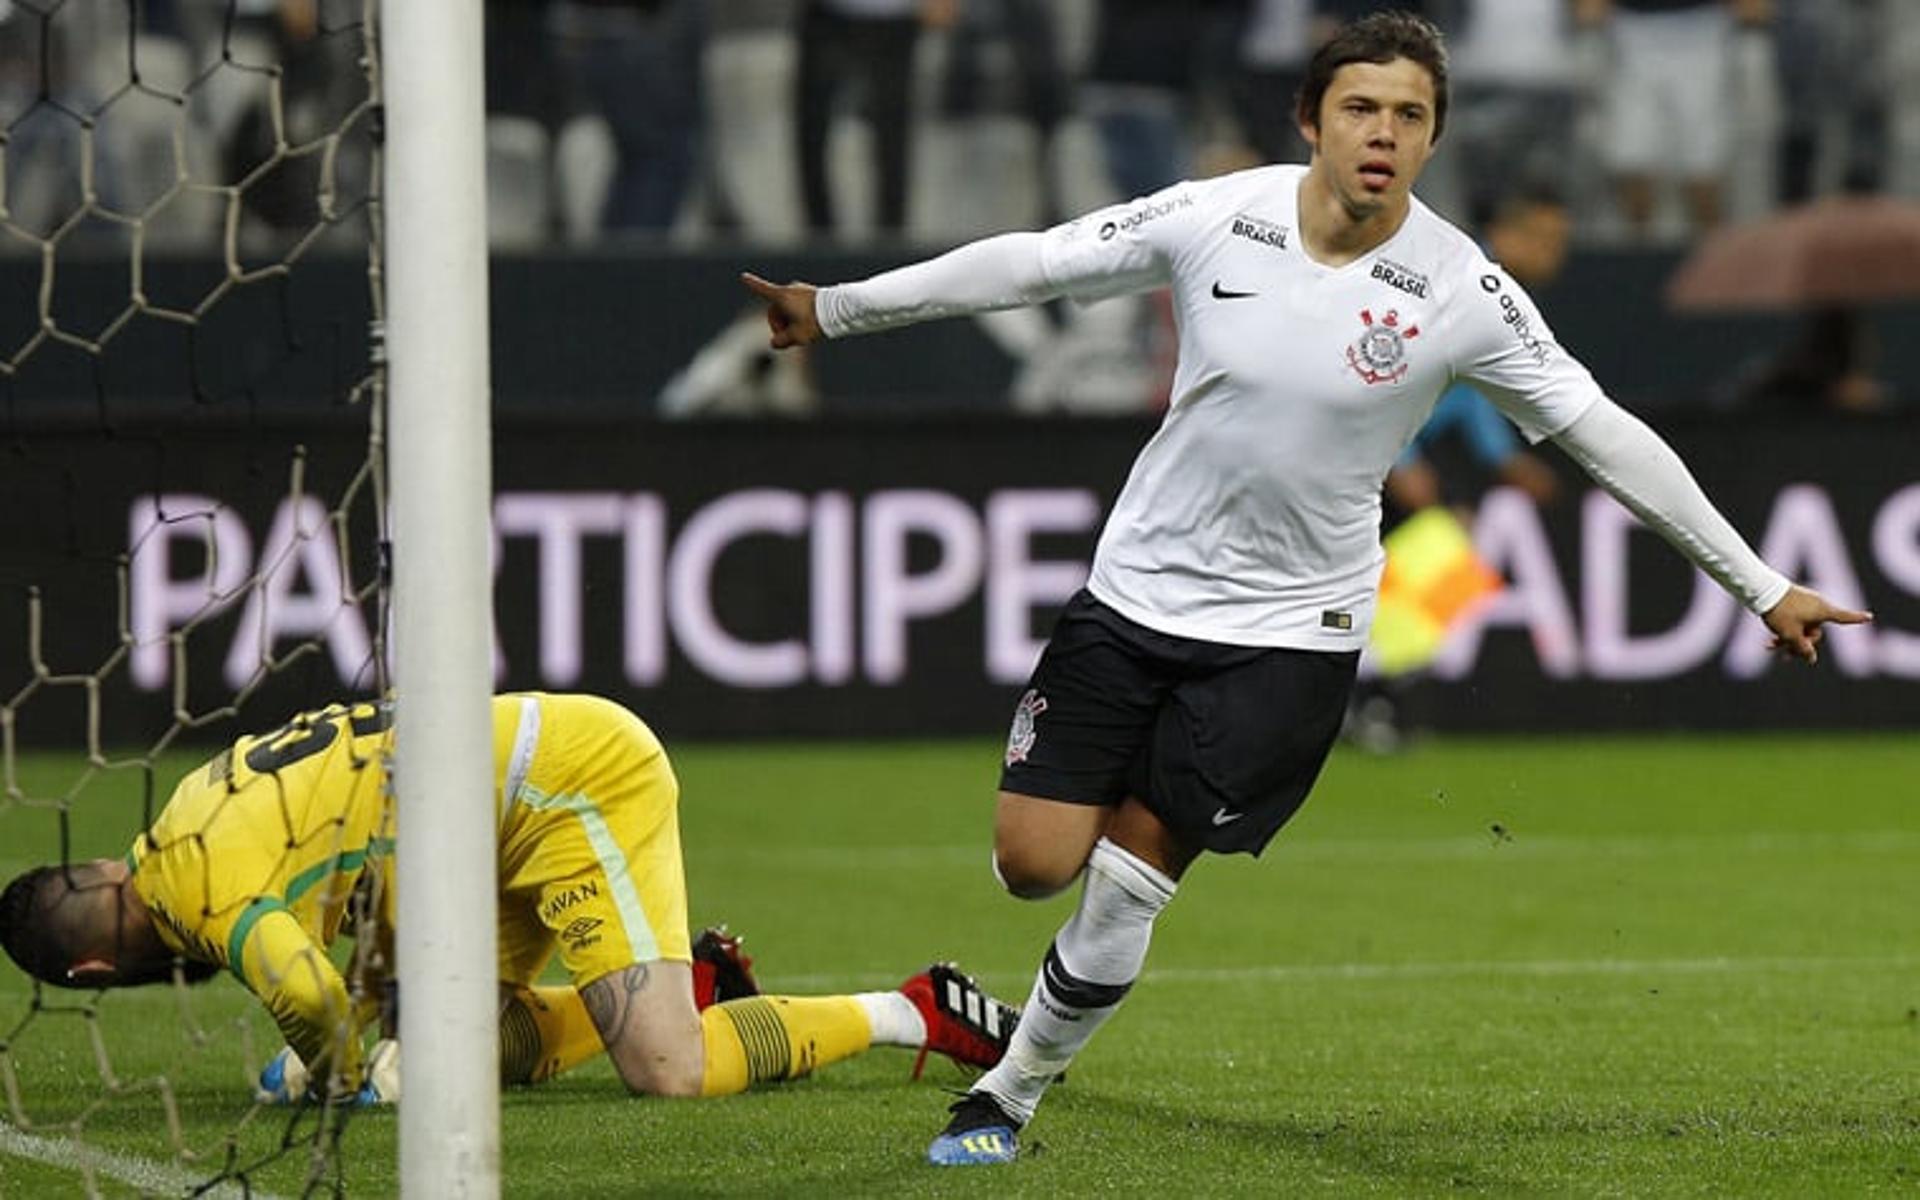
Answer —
(1433, 580)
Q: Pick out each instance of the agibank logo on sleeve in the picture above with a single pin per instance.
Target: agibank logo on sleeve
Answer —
(1516, 319)
(1379, 354)
(1151, 210)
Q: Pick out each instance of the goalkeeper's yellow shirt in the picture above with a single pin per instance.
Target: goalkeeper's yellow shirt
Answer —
(254, 861)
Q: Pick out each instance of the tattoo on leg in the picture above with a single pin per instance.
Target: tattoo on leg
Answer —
(610, 1000)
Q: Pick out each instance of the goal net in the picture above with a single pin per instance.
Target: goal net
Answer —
(192, 513)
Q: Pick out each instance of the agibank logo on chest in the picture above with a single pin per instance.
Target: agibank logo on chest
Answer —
(1379, 354)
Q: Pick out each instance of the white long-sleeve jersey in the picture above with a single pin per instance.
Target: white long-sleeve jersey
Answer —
(1252, 517)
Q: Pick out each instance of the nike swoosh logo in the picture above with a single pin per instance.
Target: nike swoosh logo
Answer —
(1220, 293)
(1223, 817)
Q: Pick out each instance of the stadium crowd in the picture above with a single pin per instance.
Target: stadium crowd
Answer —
(862, 126)
(943, 119)
(939, 120)
(779, 121)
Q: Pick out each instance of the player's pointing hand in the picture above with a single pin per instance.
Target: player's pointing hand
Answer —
(790, 312)
(1797, 619)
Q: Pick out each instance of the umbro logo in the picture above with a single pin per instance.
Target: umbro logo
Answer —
(1222, 816)
(1220, 293)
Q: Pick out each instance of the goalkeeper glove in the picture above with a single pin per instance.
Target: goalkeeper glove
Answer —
(283, 1080)
(382, 1084)
(286, 1080)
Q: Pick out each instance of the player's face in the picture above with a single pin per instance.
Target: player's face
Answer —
(1375, 133)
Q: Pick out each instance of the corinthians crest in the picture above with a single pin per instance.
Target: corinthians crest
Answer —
(1379, 354)
(1021, 737)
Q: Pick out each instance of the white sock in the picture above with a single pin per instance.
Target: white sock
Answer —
(1094, 959)
(894, 1019)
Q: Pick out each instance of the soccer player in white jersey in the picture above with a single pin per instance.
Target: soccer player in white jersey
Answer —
(1189, 695)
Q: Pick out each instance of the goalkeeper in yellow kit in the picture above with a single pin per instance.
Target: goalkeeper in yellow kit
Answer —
(264, 854)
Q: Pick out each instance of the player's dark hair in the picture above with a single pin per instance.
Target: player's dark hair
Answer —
(29, 939)
(1377, 37)
(41, 943)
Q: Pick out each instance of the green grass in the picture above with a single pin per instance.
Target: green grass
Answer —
(1598, 967)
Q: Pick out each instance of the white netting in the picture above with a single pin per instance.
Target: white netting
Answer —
(191, 508)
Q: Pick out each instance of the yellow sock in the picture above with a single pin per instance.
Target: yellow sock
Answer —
(767, 1038)
(544, 1031)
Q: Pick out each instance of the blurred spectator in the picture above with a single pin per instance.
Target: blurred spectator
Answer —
(750, 177)
(1488, 439)
(65, 68)
(635, 64)
(1515, 93)
(1527, 233)
(1151, 60)
(1896, 36)
(1830, 366)
(1280, 36)
(1834, 89)
(1334, 13)
(317, 84)
(1004, 57)
(521, 80)
(524, 110)
(1668, 99)
(43, 90)
(867, 45)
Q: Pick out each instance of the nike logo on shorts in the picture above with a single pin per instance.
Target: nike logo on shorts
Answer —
(1220, 293)
(1223, 817)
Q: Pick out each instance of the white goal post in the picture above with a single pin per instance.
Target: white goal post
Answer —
(440, 473)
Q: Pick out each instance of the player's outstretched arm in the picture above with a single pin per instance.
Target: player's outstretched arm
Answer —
(1796, 622)
(1641, 471)
(1002, 271)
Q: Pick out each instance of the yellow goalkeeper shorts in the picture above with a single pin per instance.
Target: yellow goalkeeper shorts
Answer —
(589, 842)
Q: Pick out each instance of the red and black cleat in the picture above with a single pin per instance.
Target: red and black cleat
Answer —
(720, 971)
(963, 1021)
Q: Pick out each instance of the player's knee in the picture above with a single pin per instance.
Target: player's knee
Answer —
(1030, 874)
(677, 1085)
(660, 1076)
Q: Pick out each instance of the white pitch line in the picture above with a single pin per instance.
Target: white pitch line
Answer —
(148, 1176)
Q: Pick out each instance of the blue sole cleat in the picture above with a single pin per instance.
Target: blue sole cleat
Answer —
(997, 1144)
(980, 1133)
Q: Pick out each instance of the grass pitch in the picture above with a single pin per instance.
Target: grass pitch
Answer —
(1599, 967)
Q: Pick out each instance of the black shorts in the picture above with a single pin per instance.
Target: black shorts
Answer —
(1221, 742)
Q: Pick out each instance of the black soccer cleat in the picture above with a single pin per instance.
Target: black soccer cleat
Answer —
(979, 1134)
